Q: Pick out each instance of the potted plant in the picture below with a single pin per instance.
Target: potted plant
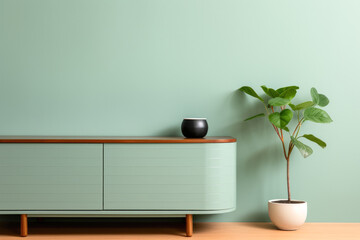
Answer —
(289, 214)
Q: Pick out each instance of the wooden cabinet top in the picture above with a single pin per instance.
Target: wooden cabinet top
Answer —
(111, 139)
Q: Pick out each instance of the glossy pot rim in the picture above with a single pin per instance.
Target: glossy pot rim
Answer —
(194, 118)
(301, 202)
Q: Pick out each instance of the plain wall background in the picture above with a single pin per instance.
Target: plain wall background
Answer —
(137, 68)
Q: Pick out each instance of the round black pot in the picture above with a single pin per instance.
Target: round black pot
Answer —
(194, 127)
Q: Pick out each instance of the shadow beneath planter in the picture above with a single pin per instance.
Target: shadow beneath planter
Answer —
(261, 225)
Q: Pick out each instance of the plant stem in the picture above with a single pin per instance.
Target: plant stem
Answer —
(266, 109)
(289, 149)
(275, 128)
(283, 145)
(298, 117)
(298, 125)
(288, 177)
(287, 156)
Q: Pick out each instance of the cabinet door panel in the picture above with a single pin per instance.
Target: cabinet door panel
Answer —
(169, 176)
(46, 176)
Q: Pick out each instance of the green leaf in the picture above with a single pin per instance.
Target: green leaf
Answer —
(288, 94)
(251, 92)
(317, 115)
(285, 116)
(281, 90)
(323, 100)
(270, 92)
(314, 95)
(311, 137)
(319, 99)
(257, 115)
(281, 119)
(293, 107)
(304, 105)
(304, 149)
(278, 101)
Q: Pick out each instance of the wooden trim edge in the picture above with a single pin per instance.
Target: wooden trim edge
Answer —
(179, 140)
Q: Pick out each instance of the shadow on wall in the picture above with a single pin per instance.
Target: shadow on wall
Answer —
(259, 159)
(237, 107)
(170, 131)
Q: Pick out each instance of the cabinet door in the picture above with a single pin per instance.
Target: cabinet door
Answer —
(169, 176)
(50, 176)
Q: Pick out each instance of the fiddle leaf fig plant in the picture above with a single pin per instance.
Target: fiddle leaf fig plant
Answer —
(280, 111)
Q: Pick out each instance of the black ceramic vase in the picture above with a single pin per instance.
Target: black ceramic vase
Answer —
(194, 127)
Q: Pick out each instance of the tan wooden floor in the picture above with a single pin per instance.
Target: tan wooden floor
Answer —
(171, 230)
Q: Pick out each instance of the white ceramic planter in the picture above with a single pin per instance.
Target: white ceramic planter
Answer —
(287, 216)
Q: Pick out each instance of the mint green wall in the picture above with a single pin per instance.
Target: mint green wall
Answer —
(86, 67)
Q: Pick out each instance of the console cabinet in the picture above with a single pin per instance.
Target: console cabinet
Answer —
(116, 176)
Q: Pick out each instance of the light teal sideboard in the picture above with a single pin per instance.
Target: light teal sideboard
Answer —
(116, 176)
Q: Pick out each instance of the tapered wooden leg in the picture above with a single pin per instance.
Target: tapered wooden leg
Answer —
(23, 225)
(189, 225)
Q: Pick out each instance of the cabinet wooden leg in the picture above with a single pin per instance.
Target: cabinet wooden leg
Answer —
(189, 225)
(23, 225)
